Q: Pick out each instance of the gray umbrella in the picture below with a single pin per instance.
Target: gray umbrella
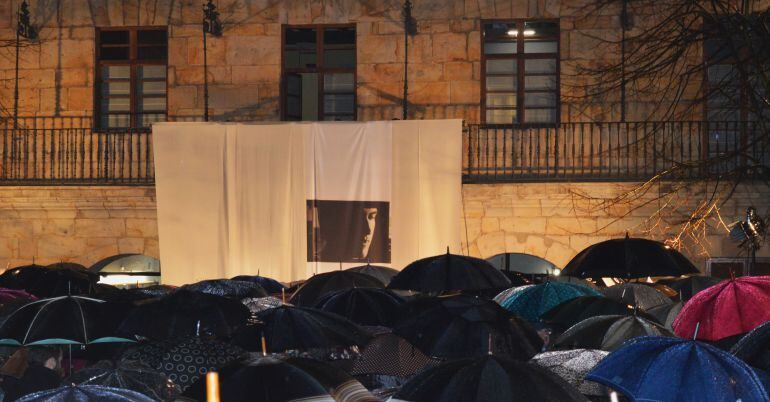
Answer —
(608, 332)
(636, 294)
(508, 292)
(666, 313)
(126, 375)
(259, 304)
(573, 365)
(521, 262)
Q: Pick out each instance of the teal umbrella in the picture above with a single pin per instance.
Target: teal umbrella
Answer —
(532, 302)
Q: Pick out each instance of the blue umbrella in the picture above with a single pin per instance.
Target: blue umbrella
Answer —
(677, 370)
(86, 393)
(534, 301)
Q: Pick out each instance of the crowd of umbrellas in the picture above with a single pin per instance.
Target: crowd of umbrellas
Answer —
(445, 328)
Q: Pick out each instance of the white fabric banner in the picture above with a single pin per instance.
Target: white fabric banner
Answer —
(287, 200)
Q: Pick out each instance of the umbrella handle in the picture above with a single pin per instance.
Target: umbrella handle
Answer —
(212, 386)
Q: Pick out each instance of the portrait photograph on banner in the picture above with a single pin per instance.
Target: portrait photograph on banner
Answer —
(348, 231)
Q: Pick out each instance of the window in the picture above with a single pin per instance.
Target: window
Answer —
(130, 77)
(319, 73)
(520, 72)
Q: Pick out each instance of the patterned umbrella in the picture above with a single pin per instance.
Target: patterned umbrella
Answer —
(573, 365)
(383, 274)
(449, 272)
(184, 360)
(636, 294)
(729, 308)
(341, 385)
(322, 284)
(86, 393)
(608, 332)
(489, 379)
(233, 289)
(259, 304)
(533, 302)
(263, 379)
(126, 375)
(391, 355)
(677, 370)
(578, 309)
(464, 326)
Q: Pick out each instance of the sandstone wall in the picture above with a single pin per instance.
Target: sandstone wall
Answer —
(551, 220)
(57, 72)
(78, 224)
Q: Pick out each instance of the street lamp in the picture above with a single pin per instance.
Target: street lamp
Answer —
(23, 30)
(212, 26)
(410, 29)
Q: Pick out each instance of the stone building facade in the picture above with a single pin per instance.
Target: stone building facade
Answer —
(59, 76)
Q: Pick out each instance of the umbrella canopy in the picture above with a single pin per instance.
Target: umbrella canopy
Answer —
(666, 313)
(298, 328)
(383, 274)
(487, 379)
(754, 347)
(258, 304)
(510, 291)
(729, 308)
(126, 375)
(322, 284)
(636, 294)
(13, 295)
(62, 279)
(464, 326)
(523, 263)
(186, 359)
(59, 321)
(22, 277)
(363, 306)
(690, 285)
(86, 393)
(227, 288)
(270, 285)
(572, 366)
(390, 355)
(677, 370)
(264, 379)
(628, 258)
(532, 302)
(578, 309)
(573, 280)
(184, 313)
(449, 272)
(340, 385)
(608, 332)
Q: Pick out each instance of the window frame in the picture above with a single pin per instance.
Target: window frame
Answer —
(133, 63)
(520, 57)
(319, 69)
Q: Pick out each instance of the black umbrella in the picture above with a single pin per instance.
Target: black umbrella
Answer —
(363, 306)
(488, 379)
(184, 313)
(449, 272)
(21, 277)
(608, 332)
(186, 359)
(383, 274)
(86, 393)
(465, 326)
(299, 328)
(666, 313)
(234, 289)
(127, 375)
(390, 355)
(322, 284)
(690, 285)
(571, 312)
(270, 285)
(63, 320)
(265, 379)
(628, 258)
(754, 347)
(636, 294)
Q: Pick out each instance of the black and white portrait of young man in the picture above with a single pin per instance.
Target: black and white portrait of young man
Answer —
(348, 231)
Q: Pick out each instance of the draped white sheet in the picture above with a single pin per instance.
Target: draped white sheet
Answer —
(231, 198)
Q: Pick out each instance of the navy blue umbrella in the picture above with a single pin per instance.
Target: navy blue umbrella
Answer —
(677, 370)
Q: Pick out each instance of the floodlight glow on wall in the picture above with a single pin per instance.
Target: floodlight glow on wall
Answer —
(512, 32)
(529, 32)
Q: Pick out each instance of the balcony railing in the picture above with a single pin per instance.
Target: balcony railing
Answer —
(67, 151)
(615, 151)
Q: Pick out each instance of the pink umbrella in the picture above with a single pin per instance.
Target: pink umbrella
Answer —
(9, 295)
(728, 308)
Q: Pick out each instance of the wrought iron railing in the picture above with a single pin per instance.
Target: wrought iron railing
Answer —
(68, 151)
(615, 151)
